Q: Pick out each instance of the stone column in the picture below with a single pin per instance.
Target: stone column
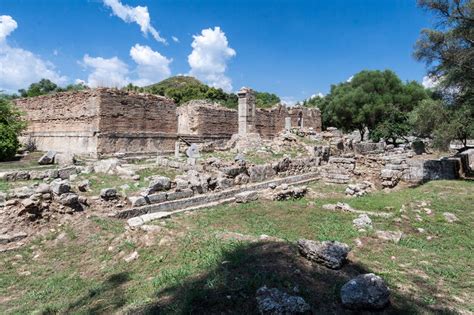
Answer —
(246, 111)
(288, 123)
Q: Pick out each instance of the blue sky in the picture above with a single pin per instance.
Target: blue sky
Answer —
(293, 48)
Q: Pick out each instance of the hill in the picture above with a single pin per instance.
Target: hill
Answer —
(185, 88)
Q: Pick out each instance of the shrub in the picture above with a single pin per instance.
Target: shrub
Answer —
(11, 124)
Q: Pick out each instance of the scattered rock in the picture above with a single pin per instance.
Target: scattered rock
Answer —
(43, 188)
(365, 292)
(159, 183)
(331, 254)
(450, 217)
(362, 222)
(47, 158)
(131, 257)
(84, 185)
(275, 302)
(246, 196)
(285, 192)
(8, 238)
(64, 159)
(69, 199)
(108, 193)
(59, 186)
(394, 236)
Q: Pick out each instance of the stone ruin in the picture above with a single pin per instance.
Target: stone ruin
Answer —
(107, 122)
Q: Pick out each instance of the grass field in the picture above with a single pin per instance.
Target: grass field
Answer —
(191, 264)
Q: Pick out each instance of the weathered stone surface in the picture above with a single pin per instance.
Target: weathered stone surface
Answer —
(108, 193)
(331, 254)
(59, 186)
(186, 193)
(64, 159)
(362, 222)
(450, 217)
(66, 172)
(286, 193)
(365, 292)
(394, 236)
(8, 238)
(69, 199)
(246, 196)
(43, 188)
(84, 185)
(107, 166)
(159, 183)
(275, 302)
(47, 158)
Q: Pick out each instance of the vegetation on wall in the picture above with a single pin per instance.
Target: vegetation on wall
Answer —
(183, 89)
(45, 86)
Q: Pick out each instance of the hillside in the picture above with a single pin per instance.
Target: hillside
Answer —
(185, 88)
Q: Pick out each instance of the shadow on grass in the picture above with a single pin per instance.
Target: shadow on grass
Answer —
(105, 298)
(230, 287)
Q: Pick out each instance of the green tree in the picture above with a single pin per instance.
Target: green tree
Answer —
(375, 100)
(266, 100)
(44, 86)
(448, 51)
(11, 124)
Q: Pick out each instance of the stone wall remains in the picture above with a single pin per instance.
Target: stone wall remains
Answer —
(63, 121)
(205, 119)
(134, 123)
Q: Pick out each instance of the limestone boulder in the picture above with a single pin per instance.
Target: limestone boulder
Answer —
(365, 292)
(159, 183)
(362, 222)
(68, 199)
(107, 166)
(246, 196)
(108, 193)
(43, 188)
(276, 302)
(47, 158)
(331, 254)
(65, 159)
(59, 186)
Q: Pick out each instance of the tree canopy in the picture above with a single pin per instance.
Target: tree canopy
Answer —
(448, 51)
(375, 100)
(45, 86)
(11, 124)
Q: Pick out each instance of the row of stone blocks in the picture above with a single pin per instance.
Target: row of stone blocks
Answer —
(172, 205)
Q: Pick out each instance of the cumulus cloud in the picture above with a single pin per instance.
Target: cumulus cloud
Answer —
(138, 14)
(175, 39)
(111, 72)
(151, 65)
(208, 60)
(350, 78)
(319, 94)
(19, 67)
(430, 82)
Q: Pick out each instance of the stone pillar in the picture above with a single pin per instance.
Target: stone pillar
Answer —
(288, 123)
(246, 111)
(176, 149)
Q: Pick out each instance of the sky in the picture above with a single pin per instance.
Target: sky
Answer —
(293, 48)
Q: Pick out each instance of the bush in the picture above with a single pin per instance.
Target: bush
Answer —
(11, 124)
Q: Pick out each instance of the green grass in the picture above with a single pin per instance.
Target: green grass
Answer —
(28, 162)
(4, 186)
(196, 272)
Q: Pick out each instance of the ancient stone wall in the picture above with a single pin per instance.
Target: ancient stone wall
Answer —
(63, 121)
(101, 122)
(204, 118)
(132, 123)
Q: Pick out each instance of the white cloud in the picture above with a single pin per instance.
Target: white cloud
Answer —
(175, 39)
(208, 60)
(152, 66)
(19, 67)
(288, 101)
(110, 72)
(138, 14)
(350, 78)
(7, 25)
(319, 94)
(430, 82)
